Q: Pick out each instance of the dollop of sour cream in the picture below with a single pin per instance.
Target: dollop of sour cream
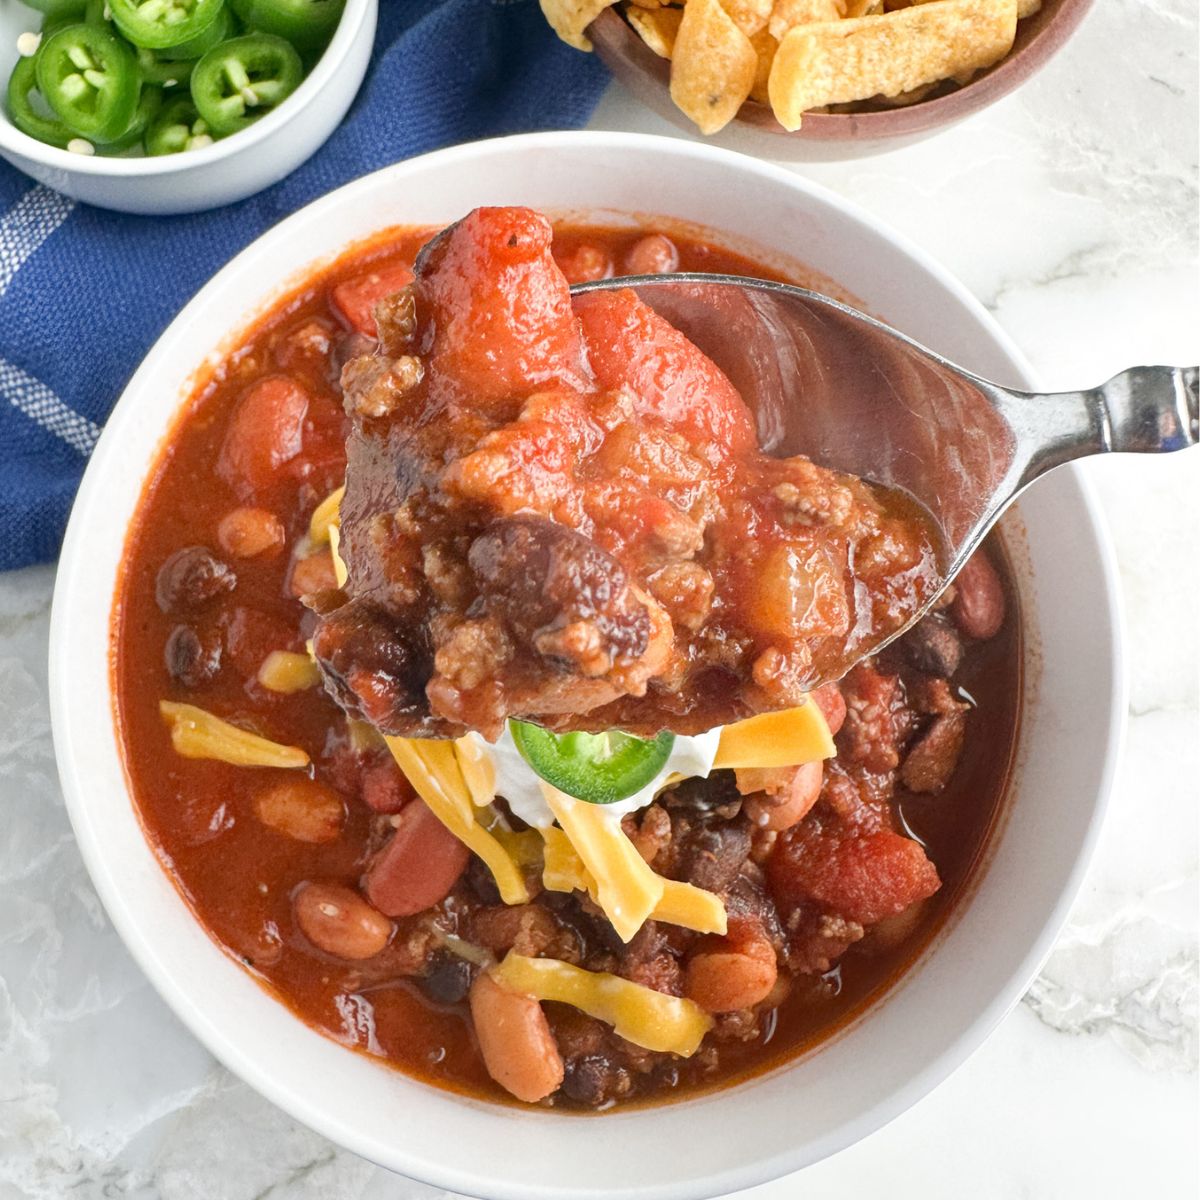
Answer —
(690, 757)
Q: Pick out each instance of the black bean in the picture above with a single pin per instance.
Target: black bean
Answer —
(189, 661)
(191, 578)
(933, 645)
(448, 979)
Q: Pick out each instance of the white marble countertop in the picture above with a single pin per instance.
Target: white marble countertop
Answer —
(1070, 209)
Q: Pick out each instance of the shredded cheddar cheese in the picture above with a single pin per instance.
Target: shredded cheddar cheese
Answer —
(339, 568)
(639, 1014)
(778, 739)
(326, 516)
(682, 904)
(478, 770)
(432, 768)
(196, 733)
(626, 888)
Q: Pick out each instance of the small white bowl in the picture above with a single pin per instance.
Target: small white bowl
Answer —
(883, 1061)
(230, 169)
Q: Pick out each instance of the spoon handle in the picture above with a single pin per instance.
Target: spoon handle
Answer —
(1144, 410)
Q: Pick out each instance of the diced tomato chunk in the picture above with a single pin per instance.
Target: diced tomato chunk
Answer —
(630, 345)
(862, 878)
(500, 306)
(355, 299)
(267, 431)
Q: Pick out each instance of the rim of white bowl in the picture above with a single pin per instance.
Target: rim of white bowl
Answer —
(344, 37)
(67, 709)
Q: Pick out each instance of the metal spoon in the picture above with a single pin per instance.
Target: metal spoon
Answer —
(854, 394)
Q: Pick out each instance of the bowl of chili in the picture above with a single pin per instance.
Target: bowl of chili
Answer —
(907, 1034)
(179, 108)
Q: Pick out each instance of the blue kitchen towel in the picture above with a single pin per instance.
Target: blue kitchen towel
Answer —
(85, 292)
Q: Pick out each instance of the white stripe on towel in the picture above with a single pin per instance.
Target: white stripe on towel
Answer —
(23, 229)
(40, 404)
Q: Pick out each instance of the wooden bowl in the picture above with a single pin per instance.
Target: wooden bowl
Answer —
(876, 127)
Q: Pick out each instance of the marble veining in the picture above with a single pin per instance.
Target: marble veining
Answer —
(1070, 210)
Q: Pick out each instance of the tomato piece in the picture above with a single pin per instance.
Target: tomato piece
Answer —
(501, 308)
(355, 299)
(630, 345)
(861, 877)
(418, 867)
(267, 431)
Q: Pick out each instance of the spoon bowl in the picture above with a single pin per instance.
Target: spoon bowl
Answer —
(855, 395)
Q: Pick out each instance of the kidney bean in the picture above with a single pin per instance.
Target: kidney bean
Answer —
(728, 974)
(418, 867)
(829, 699)
(191, 578)
(339, 921)
(652, 255)
(188, 659)
(515, 1040)
(385, 789)
(248, 532)
(978, 608)
(790, 799)
(267, 430)
(302, 809)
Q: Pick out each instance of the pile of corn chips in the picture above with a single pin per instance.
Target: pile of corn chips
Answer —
(804, 55)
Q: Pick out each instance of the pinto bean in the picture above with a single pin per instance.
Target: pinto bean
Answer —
(515, 1040)
(248, 532)
(313, 574)
(978, 608)
(652, 255)
(790, 800)
(585, 263)
(302, 809)
(418, 867)
(339, 921)
(728, 974)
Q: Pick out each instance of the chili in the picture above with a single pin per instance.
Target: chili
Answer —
(304, 23)
(159, 24)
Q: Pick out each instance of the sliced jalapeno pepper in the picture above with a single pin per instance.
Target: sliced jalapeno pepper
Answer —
(600, 768)
(157, 24)
(221, 30)
(177, 127)
(147, 109)
(162, 71)
(305, 23)
(22, 94)
(58, 8)
(96, 12)
(90, 79)
(242, 79)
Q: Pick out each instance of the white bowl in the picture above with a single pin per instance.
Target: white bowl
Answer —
(230, 169)
(964, 984)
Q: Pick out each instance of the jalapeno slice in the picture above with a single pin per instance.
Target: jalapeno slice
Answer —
(22, 111)
(243, 79)
(177, 127)
(600, 768)
(147, 109)
(221, 30)
(307, 24)
(164, 72)
(158, 24)
(58, 8)
(90, 79)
